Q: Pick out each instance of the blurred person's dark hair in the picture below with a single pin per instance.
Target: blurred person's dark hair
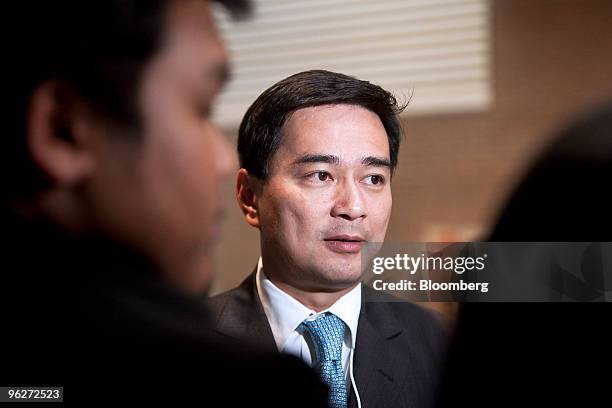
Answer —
(564, 195)
(261, 130)
(97, 47)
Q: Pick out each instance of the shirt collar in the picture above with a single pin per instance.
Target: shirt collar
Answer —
(285, 313)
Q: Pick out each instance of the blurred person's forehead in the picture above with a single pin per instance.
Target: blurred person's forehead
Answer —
(193, 15)
(192, 41)
(191, 21)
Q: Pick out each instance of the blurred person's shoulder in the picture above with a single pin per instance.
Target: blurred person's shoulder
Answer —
(220, 368)
(213, 371)
(97, 321)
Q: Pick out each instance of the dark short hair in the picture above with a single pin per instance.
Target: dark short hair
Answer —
(260, 132)
(99, 47)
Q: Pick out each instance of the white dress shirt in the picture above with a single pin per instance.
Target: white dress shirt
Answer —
(285, 313)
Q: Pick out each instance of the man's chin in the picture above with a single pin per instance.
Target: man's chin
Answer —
(340, 279)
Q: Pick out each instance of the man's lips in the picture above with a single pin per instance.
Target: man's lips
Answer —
(344, 244)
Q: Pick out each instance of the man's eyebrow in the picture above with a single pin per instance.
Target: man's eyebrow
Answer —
(317, 158)
(372, 161)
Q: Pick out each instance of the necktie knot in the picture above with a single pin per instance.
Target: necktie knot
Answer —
(327, 333)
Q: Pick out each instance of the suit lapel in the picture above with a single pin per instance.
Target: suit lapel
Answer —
(374, 365)
(243, 317)
(379, 371)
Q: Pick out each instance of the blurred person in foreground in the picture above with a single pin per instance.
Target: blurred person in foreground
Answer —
(317, 152)
(110, 207)
(545, 353)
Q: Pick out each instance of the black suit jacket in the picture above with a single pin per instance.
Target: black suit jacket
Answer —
(398, 353)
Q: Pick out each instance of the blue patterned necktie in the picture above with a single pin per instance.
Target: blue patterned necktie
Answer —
(327, 333)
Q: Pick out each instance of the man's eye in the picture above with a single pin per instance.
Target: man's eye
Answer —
(375, 179)
(320, 176)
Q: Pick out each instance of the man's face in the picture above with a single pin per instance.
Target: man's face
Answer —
(328, 192)
(165, 190)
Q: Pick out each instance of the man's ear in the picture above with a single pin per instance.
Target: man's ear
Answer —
(247, 196)
(59, 134)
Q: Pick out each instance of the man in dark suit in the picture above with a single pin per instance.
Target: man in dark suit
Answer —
(110, 208)
(317, 152)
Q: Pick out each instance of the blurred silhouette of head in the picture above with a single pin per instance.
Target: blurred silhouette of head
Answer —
(109, 130)
(565, 196)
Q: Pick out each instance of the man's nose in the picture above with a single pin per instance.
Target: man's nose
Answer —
(225, 157)
(349, 203)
